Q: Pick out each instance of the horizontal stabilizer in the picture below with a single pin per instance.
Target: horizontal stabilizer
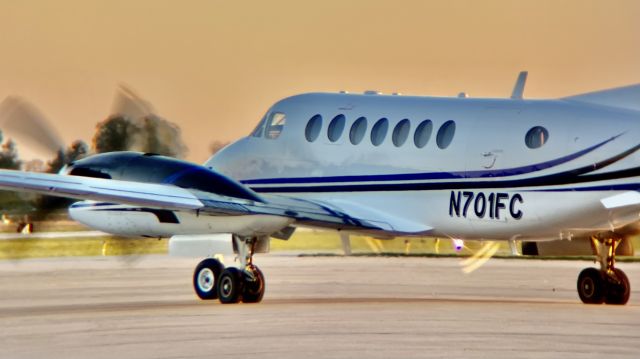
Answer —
(627, 97)
(631, 198)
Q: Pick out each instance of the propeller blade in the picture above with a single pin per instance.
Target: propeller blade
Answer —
(24, 122)
(129, 104)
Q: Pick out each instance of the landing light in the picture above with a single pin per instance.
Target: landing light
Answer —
(458, 244)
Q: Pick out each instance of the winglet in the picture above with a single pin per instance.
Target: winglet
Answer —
(518, 88)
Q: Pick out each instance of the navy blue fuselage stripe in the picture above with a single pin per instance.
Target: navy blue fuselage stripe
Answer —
(163, 215)
(574, 176)
(613, 187)
(508, 172)
(96, 204)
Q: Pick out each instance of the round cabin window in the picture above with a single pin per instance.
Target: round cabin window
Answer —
(445, 134)
(423, 133)
(313, 128)
(336, 126)
(379, 131)
(401, 132)
(358, 130)
(536, 137)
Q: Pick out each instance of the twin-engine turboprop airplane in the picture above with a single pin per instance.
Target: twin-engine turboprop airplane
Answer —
(385, 166)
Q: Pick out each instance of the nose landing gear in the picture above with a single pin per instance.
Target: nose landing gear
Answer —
(211, 280)
(609, 284)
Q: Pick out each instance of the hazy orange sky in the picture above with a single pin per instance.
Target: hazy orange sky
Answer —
(214, 67)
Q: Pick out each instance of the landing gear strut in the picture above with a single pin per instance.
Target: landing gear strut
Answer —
(230, 285)
(609, 284)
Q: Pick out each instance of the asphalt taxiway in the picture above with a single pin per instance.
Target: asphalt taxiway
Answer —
(325, 307)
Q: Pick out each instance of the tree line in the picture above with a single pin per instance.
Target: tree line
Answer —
(149, 133)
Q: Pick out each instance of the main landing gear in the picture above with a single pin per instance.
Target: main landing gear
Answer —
(609, 284)
(211, 280)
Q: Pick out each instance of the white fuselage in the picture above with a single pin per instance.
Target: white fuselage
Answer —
(486, 183)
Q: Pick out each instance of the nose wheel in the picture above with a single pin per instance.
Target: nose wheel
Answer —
(608, 285)
(211, 280)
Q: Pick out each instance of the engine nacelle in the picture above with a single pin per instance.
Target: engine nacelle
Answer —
(158, 222)
(152, 168)
(129, 220)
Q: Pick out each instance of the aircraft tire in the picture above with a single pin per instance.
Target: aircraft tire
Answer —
(591, 286)
(253, 291)
(230, 286)
(618, 292)
(206, 277)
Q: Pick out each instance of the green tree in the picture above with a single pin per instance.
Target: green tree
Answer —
(113, 134)
(149, 133)
(45, 205)
(9, 155)
(157, 135)
(11, 200)
(77, 150)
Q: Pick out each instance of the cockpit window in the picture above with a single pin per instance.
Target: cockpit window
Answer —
(257, 132)
(275, 125)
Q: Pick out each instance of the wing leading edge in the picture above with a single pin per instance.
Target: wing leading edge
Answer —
(88, 188)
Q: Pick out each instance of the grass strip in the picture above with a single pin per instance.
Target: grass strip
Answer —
(313, 243)
(90, 246)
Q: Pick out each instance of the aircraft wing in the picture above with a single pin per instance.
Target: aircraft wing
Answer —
(87, 188)
(342, 215)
